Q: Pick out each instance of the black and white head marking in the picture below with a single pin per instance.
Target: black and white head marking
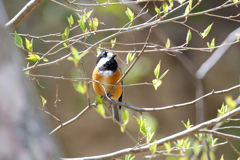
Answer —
(106, 63)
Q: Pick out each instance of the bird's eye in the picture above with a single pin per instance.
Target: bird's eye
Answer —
(105, 54)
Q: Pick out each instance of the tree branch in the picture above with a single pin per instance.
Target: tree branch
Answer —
(17, 19)
(160, 142)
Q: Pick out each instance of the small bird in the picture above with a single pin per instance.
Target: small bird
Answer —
(107, 71)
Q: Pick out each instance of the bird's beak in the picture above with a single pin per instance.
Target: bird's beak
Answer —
(113, 56)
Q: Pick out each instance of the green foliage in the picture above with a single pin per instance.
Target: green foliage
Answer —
(125, 118)
(29, 45)
(76, 57)
(158, 11)
(212, 45)
(95, 24)
(188, 125)
(189, 36)
(142, 125)
(223, 110)
(35, 58)
(149, 136)
(157, 82)
(130, 57)
(44, 101)
(99, 108)
(113, 41)
(82, 23)
(206, 31)
(81, 88)
(18, 40)
(165, 8)
(70, 21)
(129, 157)
(153, 147)
(168, 147)
(212, 141)
(230, 102)
(167, 43)
(130, 14)
(222, 157)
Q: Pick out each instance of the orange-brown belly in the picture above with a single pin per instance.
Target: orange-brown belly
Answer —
(102, 89)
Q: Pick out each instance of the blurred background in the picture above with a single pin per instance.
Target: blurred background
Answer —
(93, 135)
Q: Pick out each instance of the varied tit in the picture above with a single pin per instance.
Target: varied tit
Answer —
(107, 71)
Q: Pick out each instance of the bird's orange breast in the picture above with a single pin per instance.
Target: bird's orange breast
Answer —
(110, 79)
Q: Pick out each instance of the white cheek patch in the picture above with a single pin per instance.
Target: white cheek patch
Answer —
(106, 73)
(102, 61)
(109, 55)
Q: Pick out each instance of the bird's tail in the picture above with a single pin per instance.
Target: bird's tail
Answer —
(117, 117)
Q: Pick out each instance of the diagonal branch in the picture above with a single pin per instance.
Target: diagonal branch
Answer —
(18, 18)
(160, 142)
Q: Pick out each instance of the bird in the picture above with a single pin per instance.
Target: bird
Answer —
(108, 72)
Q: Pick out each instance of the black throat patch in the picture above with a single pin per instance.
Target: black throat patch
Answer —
(110, 65)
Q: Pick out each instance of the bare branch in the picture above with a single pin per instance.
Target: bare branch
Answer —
(16, 20)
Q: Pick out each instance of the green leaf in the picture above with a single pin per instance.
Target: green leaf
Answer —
(95, 24)
(153, 147)
(29, 45)
(196, 149)
(33, 57)
(130, 57)
(129, 157)
(165, 8)
(139, 121)
(171, 3)
(188, 125)
(234, 1)
(76, 57)
(100, 109)
(113, 41)
(156, 83)
(157, 70)
(212, 45)
(222, 157)
(149, 136)
(189, 36)
(187, 10)
(130, 14)
(18, 40)
(74, 52)
(125, 116)
(143, 127)
(230, 102)
(206, 31)
(190, 4)
(223, 110)
(66, 32)
(70, 21)
(168, 43)
(82, 24)
(122, 128)
(168, 147)
(158, 11)
(44, 101)
(89, 14)
(81, 88)
(186, 144)
(164, 74)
